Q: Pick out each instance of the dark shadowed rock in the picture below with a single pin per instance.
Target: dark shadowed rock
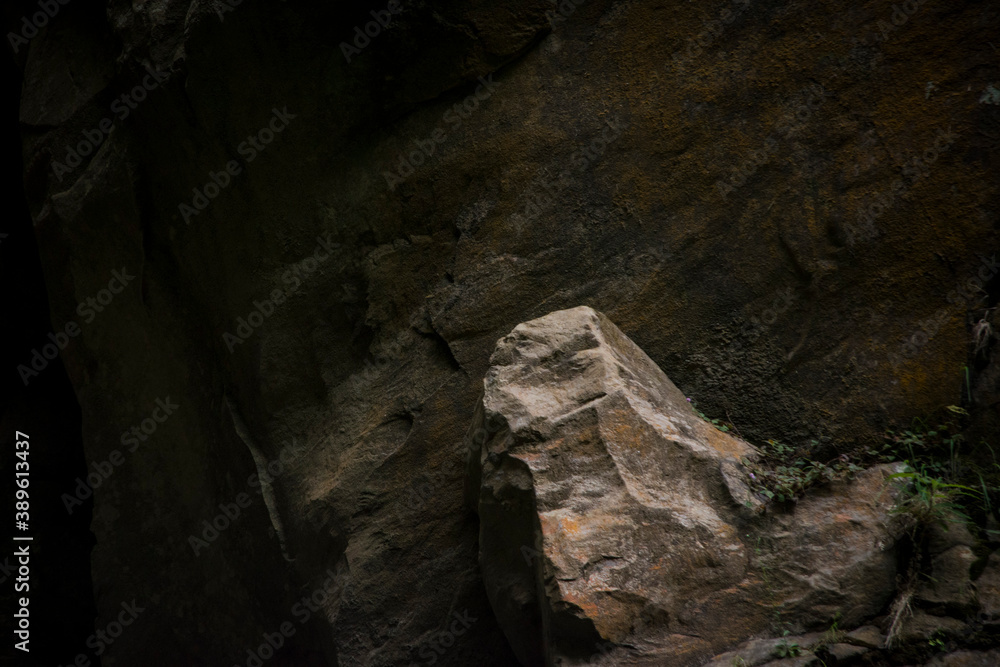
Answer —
(988, 589)
(967, 659)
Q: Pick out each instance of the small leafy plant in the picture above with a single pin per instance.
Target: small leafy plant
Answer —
(717, 423)
(930, 445)
(786, 649)
(784, 481)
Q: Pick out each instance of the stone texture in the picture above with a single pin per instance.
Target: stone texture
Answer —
(988, 590)
(756, 301)
(803, 660)
(945, 535)
(610, 513)
(967, 659)
(949, 588)
(763, 651)
(835, 553)
(868, 636)
(845, 653)
(751, 653)
(921, 626)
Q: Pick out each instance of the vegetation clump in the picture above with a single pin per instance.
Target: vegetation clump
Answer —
(942, 480)
(945, 477)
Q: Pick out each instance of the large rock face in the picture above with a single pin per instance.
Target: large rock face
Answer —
(618, 527)
(771, 204)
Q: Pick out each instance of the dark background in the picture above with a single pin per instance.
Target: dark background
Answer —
(62, 608)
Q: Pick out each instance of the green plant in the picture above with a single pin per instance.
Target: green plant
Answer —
(714, 422)
(936, 448)
(786, 649)
(930, 500)
(834, 634)
(784, 481)
(932, 496)
(780, 450)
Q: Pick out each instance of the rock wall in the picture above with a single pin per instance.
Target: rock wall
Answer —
(790, 207)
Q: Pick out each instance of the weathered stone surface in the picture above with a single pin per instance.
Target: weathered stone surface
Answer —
(752, 653)
(803, 660)
(867, 636)
(764, 651)
(988, 589)
(835, 553)
(610, 513)
(967, 659)
(921, 626)
(846, 652)
(952, 532)
(949, 588)
(780, 303)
